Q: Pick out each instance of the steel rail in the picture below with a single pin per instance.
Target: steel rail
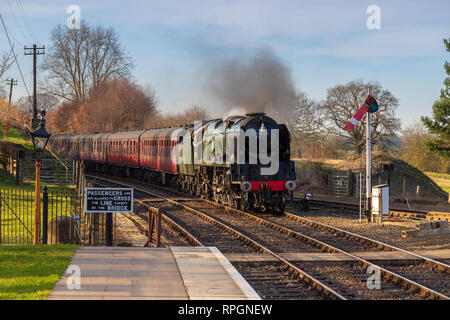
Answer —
(388, 275)
(315, 283)
(175, 225)
(393, 212)
(380, 245)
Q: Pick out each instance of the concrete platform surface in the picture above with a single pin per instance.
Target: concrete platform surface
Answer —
(181, 273)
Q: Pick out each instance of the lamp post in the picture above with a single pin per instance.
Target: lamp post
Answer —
(40, 138)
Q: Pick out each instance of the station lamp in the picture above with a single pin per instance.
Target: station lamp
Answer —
(40, 137)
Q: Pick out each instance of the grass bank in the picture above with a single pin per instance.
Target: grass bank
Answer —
(29, 272)
(14, 136)
(441, 179)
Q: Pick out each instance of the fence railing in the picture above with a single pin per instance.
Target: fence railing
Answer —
(62, 219)
(346, 184)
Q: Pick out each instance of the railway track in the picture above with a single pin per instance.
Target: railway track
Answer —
(351, 208)
(249, 233)
(207, 231)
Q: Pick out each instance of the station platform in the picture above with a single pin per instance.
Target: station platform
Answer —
(181, 273)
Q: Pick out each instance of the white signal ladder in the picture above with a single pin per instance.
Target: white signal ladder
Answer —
(361, 189)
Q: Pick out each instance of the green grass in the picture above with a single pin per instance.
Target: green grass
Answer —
(29, 272)
(14, 136)
(8, 182)
(441, 179)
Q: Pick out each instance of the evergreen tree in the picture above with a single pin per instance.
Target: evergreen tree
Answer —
(438, 124)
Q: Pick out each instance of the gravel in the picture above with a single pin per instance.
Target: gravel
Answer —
(389, 232)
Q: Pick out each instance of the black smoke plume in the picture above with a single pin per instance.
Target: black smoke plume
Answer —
(260, 83)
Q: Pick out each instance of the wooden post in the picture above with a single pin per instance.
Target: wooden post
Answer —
(150, 227)
(37, 204)
(158, 228)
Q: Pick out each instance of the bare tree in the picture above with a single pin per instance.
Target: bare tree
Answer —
(47, 100)
(6, 61)
(80, 59)
(306, 120)
(107, 59)
(344, 100)
(189, 116)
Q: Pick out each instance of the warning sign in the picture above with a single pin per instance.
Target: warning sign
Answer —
(108, 200)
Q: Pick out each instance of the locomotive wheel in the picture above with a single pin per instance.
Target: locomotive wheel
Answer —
(280, 207)
(244, 204)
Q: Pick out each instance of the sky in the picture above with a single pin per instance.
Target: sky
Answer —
(323, 43)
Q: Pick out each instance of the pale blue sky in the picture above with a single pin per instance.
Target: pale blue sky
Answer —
(324, 43)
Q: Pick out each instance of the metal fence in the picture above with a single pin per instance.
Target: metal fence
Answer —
(53, 171)
(338, 184)
(348, 184)
(62, 219)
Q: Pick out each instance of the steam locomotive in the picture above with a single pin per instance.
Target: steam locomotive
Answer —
(242, 161)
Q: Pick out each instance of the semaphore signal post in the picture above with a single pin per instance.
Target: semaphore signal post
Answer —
(369, 106)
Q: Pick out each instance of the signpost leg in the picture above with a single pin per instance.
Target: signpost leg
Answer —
(109, 229)
(150, 228)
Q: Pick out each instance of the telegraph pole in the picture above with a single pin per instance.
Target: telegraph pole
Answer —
(11, 82)
(34, 51)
